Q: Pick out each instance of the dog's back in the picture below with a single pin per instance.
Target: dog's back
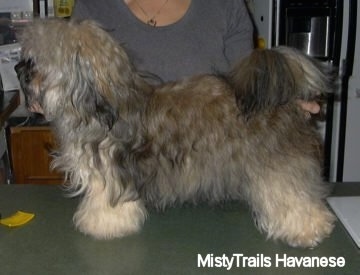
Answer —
(210, 135)
(194, 126)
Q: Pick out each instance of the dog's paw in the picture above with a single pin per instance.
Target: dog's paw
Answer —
(300, 225)
(310, 229)
(111, 222)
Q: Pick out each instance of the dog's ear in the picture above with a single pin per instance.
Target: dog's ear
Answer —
(89, 104)
(87, 98)
(262, 81)
(104, 73)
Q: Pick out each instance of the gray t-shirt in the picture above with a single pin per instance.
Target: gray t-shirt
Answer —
(211, 36)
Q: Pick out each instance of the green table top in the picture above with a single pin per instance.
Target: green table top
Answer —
(170, 242)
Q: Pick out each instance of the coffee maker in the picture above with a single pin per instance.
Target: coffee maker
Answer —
(309, 26)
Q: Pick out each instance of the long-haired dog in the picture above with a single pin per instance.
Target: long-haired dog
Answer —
(125, 144)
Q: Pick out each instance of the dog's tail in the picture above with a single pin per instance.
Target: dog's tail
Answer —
(270, 78)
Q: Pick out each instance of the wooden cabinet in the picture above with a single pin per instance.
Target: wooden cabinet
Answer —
(30, 154)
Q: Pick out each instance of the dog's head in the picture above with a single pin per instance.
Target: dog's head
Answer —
(73, 67)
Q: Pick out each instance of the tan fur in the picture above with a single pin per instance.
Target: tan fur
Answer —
(125, 144)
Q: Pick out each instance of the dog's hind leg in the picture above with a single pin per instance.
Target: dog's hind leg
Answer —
(288, 204)
(100, 218)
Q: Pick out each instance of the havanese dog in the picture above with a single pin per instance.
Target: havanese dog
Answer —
(125, 145)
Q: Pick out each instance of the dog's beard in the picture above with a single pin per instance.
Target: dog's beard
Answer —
(35, 107)
(32, 100)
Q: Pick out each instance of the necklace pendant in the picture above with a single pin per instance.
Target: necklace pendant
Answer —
(152, 22)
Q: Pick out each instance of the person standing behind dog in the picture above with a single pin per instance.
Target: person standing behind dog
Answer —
(173, 39)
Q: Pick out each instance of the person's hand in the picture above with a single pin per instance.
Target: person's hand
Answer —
(309, 106)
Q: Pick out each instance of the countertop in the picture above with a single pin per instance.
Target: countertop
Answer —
(169, 243)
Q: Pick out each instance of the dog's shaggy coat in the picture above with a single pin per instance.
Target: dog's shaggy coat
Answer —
(124, 144)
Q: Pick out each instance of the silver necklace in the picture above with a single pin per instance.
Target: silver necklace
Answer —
(151, 19)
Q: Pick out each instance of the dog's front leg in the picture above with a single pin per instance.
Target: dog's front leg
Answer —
(100, 218)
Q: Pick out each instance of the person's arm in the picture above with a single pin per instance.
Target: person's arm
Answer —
(238, 41)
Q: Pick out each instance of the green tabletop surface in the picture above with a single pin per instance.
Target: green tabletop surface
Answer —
(171, 242)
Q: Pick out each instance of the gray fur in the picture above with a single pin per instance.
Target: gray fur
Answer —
(125, 144)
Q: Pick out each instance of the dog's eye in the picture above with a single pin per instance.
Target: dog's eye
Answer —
(28, 78)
